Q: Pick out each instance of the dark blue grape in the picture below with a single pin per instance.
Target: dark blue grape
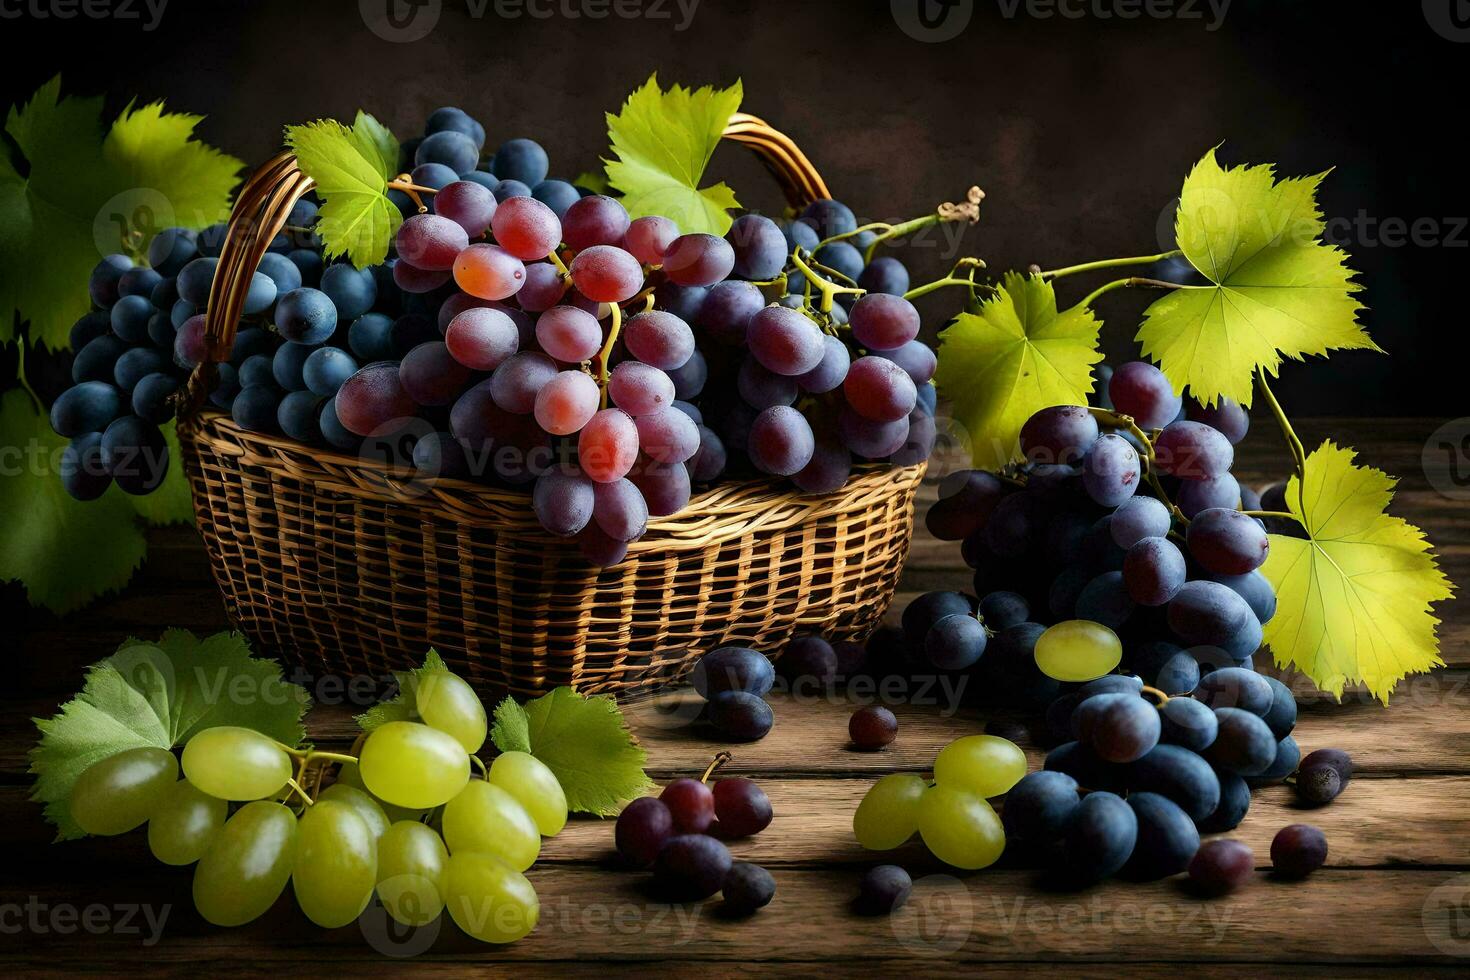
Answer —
(371, 338)
(930, 608)
(747, 887)
(1180, 775)
(830, 218)
(306, 316)
(136, 364)
(885, 274)
(1186, 722)
(1244, 745)
(310, 265)
(1255, 589)
(1167, 838)
(326, 368)
(91, 326)
(83, 474)
(98, 360)
(135, 453)
(1001, 610)
(760, 247)
(352, 291)
(280, 270)
(1236, 687)
(1281, 716)
(521, 160)
(454, 150)
(226, 387)
(1105, 600)
(181, 311)
(1204, 612)
(732, 669)
(138, 281)
(1040, 807)
(333, 431)
(955, 642)
(740, 716)
(557, 195)
(151, 397)
(1100, 839)
(260, 294)
(161, 331)
(87, 407)
(171, 249)
(252, 341)
(1288, 757)
(257, 369)
(195, 279)
(102, 284)
(1235, 802)
(842, 258)
(452, 119)
(255, 408)
(287, 366)
(800, 234)
(299, 415)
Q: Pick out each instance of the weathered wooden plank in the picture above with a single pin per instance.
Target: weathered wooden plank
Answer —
(1376, 917)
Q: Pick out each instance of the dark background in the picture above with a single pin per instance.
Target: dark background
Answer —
(1080, 128)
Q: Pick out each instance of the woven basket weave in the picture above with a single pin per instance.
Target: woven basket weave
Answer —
(344, 565)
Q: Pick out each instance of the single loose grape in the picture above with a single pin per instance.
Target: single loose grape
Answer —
(889, 813)
(246, 866)
(413, 765)
(446, 702)
(536, 787)
(120, 792)
(336, 864)
(412, 864)
(1078, 650)
(489, 899)
(234, 763)
(184, 822)
(960, 828)
(485, 818)
(983, 764)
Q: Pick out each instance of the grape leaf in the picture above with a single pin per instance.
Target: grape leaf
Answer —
(1275, 288)
(371, 134)
(357, 219)
(62, 550)
(80, 194)
(402, 706)
(1353, 600)
(583, 740)
(664, 141)
(1014, 357)
(159, 694)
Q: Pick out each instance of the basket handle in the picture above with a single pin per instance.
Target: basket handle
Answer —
(266, 199)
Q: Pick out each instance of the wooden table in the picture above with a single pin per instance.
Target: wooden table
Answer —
(1396, 892)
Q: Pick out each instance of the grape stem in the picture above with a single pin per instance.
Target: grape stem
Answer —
(971, 265)
(480, 765)
(300, 792)
(720, 759)
(560, 266)
(404, 183)
(1131, 281)
(606, 353)
(1270, 513)
(968, 211)
(1151, 472)
(1163, 698)
(20, 374)
(1108, 264)
(829, 290)
(1298, 452)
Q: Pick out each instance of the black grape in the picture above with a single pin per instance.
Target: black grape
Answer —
(87, 407)
(1110, 471)
(1244, 744)
(1288, 757)
(1167, 838)
(1040, 807)
(1002, 610)
(691, 867)
(1281, 716)
(1235, 802)
(135, 453)
(1180, 775)
(1298, 849)
(83, 474)
(1236, 687)
(1103, 832)
(930, 608)
(1221, 866)
(740, 716)
(883, 890)
(1188, 723)
(747, 887)
(1209, 613)
(1227, 542)
(732, 669)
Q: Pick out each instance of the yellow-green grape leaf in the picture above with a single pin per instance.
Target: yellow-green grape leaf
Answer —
(63, 551)
(403, 705)
(356, 219)
(583, 740)
(1014, 357)
(1353, 599)
(153, 151)
(159, 694)
(373, 135)
(172, 502)
(593, 180)
(664, 141)
(1276, 289)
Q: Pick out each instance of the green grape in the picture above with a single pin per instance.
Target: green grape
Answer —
(336, 864)
(527, 778)
(487, 819)
(234, 763)
(412, 862)
(446, 702)
(246, 866)
(348, 775)
(889, 813)
(413, 765)
(184, 823)
(983, 764)
(1078, 650)
(489, 899)
(120, 792)
(359, 800)
(960, 828)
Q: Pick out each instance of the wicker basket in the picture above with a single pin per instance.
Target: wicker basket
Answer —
(344, 565)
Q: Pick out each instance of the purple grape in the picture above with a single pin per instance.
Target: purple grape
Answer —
(916, 358)
(1195, 496)
(885, 274)
(1060, 434)
(955, 642)
(1227, 542)
(430, 375)
(759, 245)
(643, 828)
(871, 727)
(517, 381)
(1244, 744)
(1110, 471)
(742, 809)
(659, 339)
(1140, 390)
(740, 717)
(691, 867)
(831, 372)
(668, 436)
(789, 343)
(879, 389)
(760, 388)
(1226, 415)
(430, 242)
(373, 400)
(828, 470)
(966, 500)
(1209, 613)
(563, 502)
(468, 205)
(699, 260)
(1298, 849)
(691, 803)
(780, 441)
(543, 288)
(595, 220)
(883, 890)
(690, 379)
(482, 338)
(732, 669)
(620, 510)
(1193, 451)
(726, 311)
(1138, 518)
(747, 887)
(640, 389)
(665, 487)
(883, 323)
(1221, 866)
(1154, 571)
(708, 462)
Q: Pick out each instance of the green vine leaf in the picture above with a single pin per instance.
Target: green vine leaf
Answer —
(83, 195)
(65, 552)
(1012, 358)
(583, 740)
(403, 706)
(1276, 290)
(351, 167)
(160, 694)
(664, 141)
(1354, 598)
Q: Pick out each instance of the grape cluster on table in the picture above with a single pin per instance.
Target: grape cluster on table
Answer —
(472, 342)
(405, 820)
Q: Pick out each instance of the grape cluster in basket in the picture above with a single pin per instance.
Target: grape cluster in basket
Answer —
(406, 819)
(526, 333)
